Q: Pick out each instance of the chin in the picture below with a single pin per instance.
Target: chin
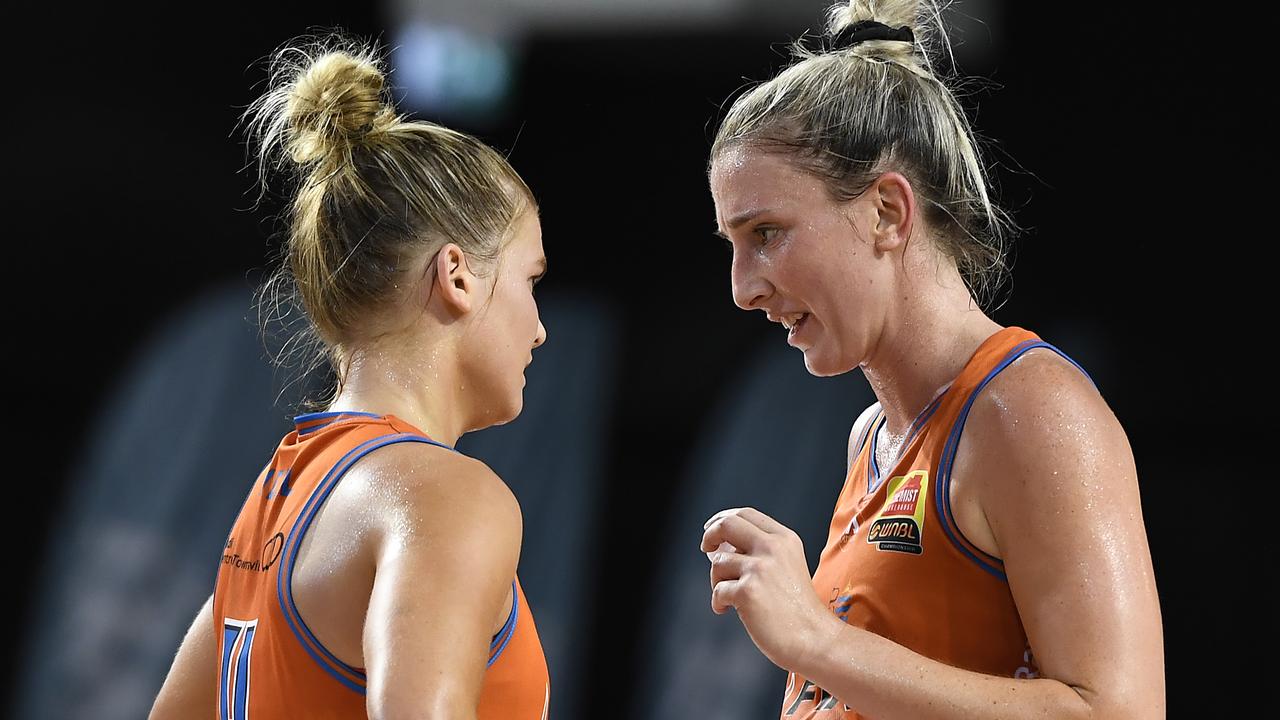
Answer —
(821, 365)
(512, 410)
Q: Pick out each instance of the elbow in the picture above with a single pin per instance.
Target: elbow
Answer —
(1131, 703)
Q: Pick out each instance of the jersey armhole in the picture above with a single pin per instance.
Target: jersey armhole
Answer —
(860, 432)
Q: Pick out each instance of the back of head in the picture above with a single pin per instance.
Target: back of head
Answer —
(872, 102)
(371, 191)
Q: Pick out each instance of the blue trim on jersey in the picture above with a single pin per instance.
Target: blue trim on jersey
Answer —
(942, 494)
(229, 635)
(241, 690)
(284, 577)
(511, 616)
(875, 481)
(509, 630)
(300, 419)
(866, 431)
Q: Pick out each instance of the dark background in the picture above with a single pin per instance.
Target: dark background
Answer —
(132, 202)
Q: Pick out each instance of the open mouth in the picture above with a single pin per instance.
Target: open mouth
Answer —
(794, 328)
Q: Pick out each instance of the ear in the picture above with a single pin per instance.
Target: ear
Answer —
(454, 281)
(895, 206)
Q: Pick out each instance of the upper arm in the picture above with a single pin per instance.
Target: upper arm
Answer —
(446, 555)
(191, 688)
(856, 433)
(1059, 490)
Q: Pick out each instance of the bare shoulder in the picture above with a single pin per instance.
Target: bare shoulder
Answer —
(1040, 445)
(1042, 404)
(410, 482)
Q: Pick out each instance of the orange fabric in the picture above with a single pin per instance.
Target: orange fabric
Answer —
(896, 564)
(270, 665)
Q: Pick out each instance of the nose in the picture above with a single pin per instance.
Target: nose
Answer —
(749, 288)
(541, 337)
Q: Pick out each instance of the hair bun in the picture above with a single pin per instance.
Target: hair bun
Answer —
(334, 103)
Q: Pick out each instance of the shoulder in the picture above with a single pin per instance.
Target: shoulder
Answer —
(1042, 417)
(412, 483)
(1034, 394)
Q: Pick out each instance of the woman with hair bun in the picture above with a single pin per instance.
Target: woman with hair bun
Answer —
(372, 570)
(987, 556)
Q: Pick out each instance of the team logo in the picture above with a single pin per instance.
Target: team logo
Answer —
(900, 524)
(271, 551)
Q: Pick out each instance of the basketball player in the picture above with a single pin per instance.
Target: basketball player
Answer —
(987, 557)
(372, 570)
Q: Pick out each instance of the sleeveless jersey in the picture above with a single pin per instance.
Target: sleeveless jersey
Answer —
(270, 665)
(896, 563)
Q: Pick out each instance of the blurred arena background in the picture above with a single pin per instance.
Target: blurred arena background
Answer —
(147, 406)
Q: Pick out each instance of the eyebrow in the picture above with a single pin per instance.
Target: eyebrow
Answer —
(741, 219)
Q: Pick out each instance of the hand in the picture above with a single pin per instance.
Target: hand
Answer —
(758, 568)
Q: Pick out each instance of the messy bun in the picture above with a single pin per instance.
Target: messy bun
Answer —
(370, 192)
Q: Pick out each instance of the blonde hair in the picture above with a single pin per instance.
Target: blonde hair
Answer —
(849, 114)
(371, 193)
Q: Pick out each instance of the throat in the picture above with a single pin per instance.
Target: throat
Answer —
(887, 447)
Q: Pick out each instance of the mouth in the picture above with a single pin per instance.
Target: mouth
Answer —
(794, 324)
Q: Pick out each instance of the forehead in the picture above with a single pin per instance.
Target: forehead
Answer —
(745, 178)
(526, 237)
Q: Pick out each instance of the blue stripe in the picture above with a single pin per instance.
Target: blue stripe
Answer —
(242, 671)
(916, 426)
(284, 578)
(511, 623)
(942, 495)
(331, 416)
(511, 616)
(873, 481)
(229, 635)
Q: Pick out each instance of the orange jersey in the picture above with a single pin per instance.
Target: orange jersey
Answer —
(897, 564)
(270, 663)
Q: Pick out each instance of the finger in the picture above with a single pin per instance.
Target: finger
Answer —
(762, 521)
(734, 530)
(752, 515)
(724, 547)
(717, 516)
(726, 566)
(724, 596)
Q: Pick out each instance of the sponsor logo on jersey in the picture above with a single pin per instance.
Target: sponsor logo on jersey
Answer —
(270, 554)
(899, 525)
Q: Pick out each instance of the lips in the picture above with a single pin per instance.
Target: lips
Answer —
(795, 326)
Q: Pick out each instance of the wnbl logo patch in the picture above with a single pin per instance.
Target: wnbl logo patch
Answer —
(900, 524)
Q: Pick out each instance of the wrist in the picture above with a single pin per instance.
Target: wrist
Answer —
(821, 639)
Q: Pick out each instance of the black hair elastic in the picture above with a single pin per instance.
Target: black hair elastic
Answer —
(851, 35)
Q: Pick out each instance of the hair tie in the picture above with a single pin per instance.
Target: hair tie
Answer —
(851, 35)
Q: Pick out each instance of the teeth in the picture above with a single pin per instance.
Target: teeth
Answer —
(790, 322)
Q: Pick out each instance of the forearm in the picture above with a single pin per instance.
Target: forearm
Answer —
(884, 680)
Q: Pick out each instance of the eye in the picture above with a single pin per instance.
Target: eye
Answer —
(766, 233)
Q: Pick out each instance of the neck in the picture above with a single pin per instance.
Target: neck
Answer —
(923, 346)
(425, 389)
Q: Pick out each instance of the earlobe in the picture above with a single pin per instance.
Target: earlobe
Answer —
(895, 205)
